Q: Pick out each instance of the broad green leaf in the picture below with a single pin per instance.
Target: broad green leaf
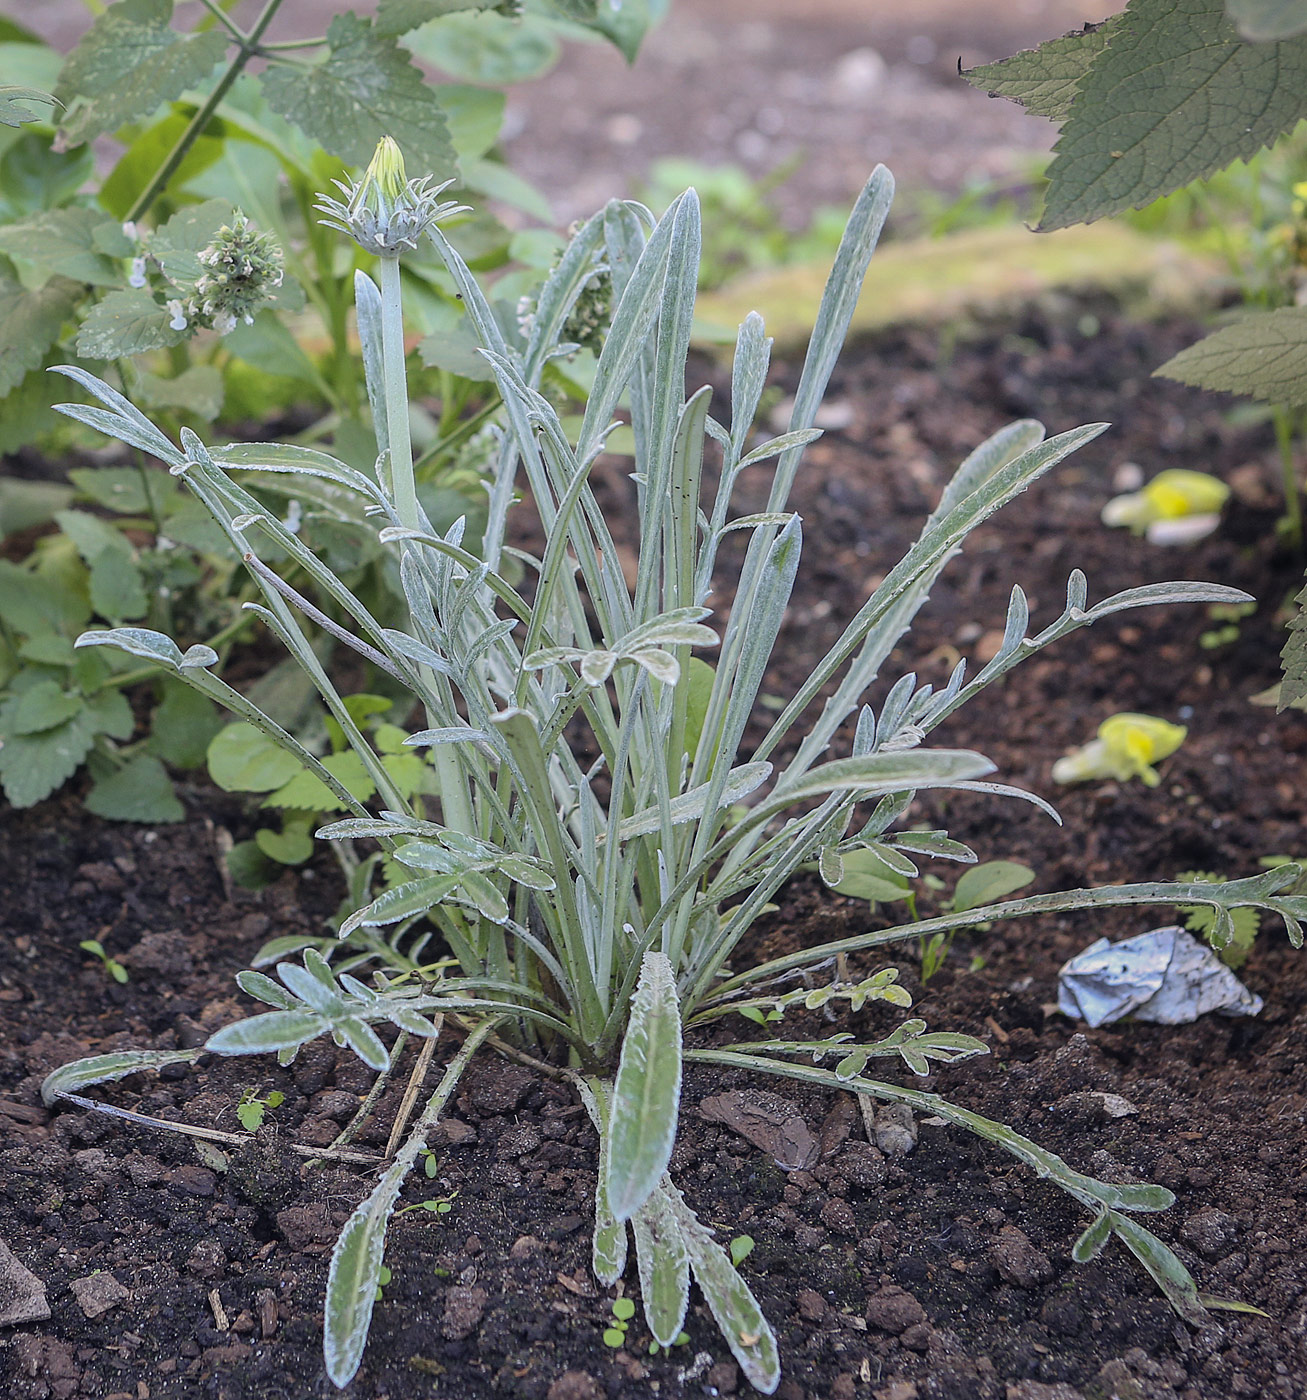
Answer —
(122, 489)
(664, 1265)
(308, 792)
(197, 390)
(104, 1069)
(261, 1035)
(34, 176)
(647, 1090)
(177, 244)
(399, 16)
(32, 766)
(1176, 95)
(117, 587)
(487, 48)
(30, 323)
(146, 154)
(864, 875)
(126, 322)
(139, 792)
(365, 89)
(475, 116)
(26, 411)
(27, 503)
(42, 707)
(244, 759)
(729, 1299)
(129, 63)
(1261, 20)
(1263, 354)
(1044, 80)
(63, 240)
(988, 883)
(1293, 658)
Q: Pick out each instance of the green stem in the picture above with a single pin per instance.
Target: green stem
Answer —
(396, 379)
(1283, 418)
(247, 48)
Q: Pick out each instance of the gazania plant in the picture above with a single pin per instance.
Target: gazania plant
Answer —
(603, 836)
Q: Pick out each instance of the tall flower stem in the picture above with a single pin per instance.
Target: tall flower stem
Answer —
(454, 798)
(396, 377)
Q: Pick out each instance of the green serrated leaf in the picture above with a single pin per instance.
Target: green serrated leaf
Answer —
(138, 792)
(197, 390)
(30, 323)
(309, 793)
(32, 766)
(291, 846)
(1044, 80)
(64, 240)
(399, 16)
(1263, 355)
(127, 322)
(366, 88)
(15, 108)
(1261, 20)
(487, 48)
(42, 707)
(129, 63)
(183, 725)
(1176, 95)
(122, 489)
(176, 246)
(1293, 658)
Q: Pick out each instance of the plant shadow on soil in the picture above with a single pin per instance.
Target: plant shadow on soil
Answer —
(495, 1298)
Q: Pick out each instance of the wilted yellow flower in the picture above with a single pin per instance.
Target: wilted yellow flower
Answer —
(1175, 507)
(1127, 746)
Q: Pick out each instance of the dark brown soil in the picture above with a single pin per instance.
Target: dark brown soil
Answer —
(495, 1297)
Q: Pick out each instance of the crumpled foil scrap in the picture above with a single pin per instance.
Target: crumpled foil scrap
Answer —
(1164, 975)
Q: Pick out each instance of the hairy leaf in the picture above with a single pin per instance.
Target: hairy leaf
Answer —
(261, 1035)
(29, 325)
(1293, 658)
(127, 322)
(138, 792)
(104, 1069)
(130, 62)
(647, 1091)
(365, 89)
(1044, 80)
(1176, 95)
(664, 1265)
(32, 766)
(64, 240)
(1263, 354)
(399, 16)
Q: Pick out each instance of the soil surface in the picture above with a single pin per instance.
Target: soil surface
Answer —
(941, 1275)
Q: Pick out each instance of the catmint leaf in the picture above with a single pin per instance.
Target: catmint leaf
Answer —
(30, 322)
(1045, 80)
(308, 792)
(117, 588)
(12, 110)
(399, 16)
(176, 245)
(487, 48)
(129, 63)
(242, 758)
(366, 88)
(183, 725)
(291, 846)
(198, 390)
(42, 707)
(127, 322)
(261, 1035)
(1263, 354)
(1260, 20)
(111, 714)
(121, 489)
(138, 792)
(647, 1090)
(988, 883)
(64, 240)
(1293, 657)
(32, 766)
(1176, 95)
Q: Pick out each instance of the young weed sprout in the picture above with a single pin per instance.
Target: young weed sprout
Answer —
(595, 904)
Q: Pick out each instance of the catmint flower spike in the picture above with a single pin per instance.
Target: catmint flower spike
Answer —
(385, 212)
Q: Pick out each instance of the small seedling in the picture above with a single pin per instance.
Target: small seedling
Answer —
(1227, 617)
(680, 1341)
(430, 1164)
(438, 1205)
(113, 968)
(383, 1282)
(252, 1109)
(741, 1248)
(623, 1312)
